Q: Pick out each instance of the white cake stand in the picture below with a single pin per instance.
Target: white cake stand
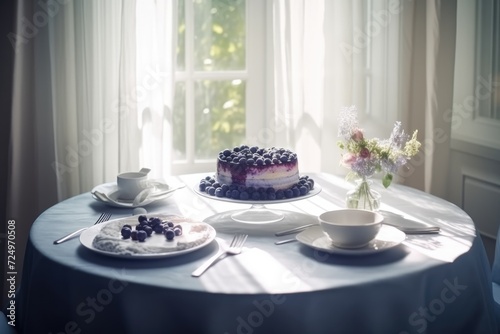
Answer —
(258, 213)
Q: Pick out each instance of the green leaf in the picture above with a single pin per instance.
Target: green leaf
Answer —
(386, 181)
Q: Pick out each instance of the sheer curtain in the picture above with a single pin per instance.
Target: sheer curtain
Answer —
(90, 91)
(392, 59)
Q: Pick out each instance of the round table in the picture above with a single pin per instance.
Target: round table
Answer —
(430, 283)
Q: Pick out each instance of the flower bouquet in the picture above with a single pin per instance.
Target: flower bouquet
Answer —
(365, 157)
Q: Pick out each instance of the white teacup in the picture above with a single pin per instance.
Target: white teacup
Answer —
(351, 228)
(130, 184)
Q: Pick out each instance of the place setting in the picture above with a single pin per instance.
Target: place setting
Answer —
(355, 232)
(133, 190)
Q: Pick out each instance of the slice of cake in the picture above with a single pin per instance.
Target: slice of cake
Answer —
(111, 239)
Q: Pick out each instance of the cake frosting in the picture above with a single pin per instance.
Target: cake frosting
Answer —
(258, 167)
(109, 238)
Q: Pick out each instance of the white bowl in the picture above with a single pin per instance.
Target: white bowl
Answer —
(351, 228)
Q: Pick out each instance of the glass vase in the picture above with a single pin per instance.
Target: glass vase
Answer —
(363, 196)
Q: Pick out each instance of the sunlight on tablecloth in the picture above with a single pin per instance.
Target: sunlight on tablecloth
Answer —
(253, 271)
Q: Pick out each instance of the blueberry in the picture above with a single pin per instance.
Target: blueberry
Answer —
(141, 218)
(170, 224)
(169, 234)
(141, 235)
(177, 231)
(235, 194)
(255, 196)
(303, 190)
(296, 191)
(148, 230)
(244, 195)
(276, 161)
(226, 152)
(211, 191)
(259, 161)
(236, 149)
(216, 185)
(155, 221)
(268, 161)
(271, 196)
(243, 161)
(288, 193)
(250, 162)
(224, 188)
(219, 192)
(126, 232)
(280, 194)
(133, 234)
(158, 229)
(284, 158)
(127, 225)
(139, 227)
(250, 190)
(254, 149)
(271, 190)
(203, 186)
(228, 193)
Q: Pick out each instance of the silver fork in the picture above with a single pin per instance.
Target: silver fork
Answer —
(234, 249)
(102, 218)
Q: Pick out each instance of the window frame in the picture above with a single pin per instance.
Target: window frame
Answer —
(254, 75)
(471, 132)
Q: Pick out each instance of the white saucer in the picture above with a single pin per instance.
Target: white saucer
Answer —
(112, 196)
(388, 237)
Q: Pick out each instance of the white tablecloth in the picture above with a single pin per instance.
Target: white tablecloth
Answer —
(429, 284)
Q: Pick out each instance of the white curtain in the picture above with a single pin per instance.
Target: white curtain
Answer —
(392, 59)
(89, 98)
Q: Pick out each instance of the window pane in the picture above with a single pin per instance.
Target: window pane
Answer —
(181, 35)
(219, 35)
(179, 122)
(219, 116)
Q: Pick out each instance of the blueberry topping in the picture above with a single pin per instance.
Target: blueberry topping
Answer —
(170, 234)
(126, 231)
(141, 235)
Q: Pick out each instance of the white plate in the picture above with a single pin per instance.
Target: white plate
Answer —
(314, 192)
(388, 237)
(87, 238)
(160, 192)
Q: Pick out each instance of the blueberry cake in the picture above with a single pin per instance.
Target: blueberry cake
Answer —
(253, 173)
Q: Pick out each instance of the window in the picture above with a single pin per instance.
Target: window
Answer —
(476, 105)
(220, 81)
